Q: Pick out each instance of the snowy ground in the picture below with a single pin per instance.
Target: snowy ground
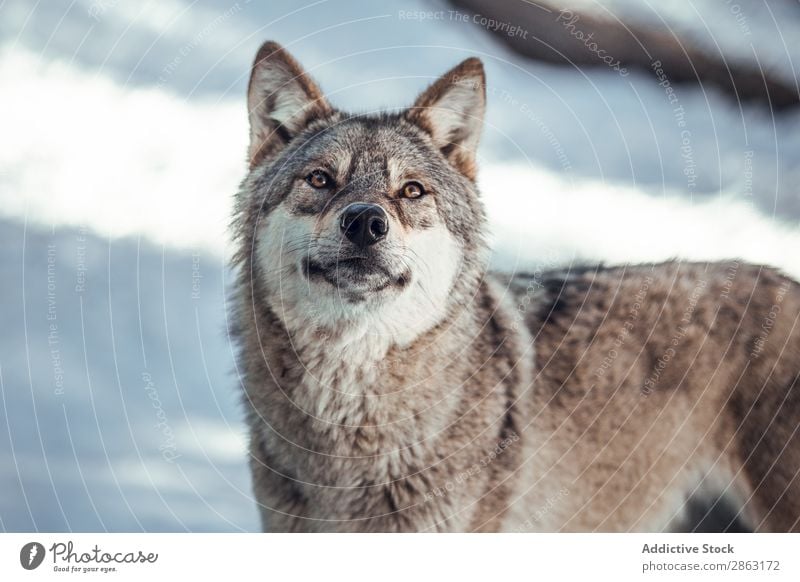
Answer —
(123, 139)
(118, 387)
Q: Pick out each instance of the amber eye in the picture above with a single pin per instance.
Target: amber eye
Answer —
(319, 179)
(413, 190)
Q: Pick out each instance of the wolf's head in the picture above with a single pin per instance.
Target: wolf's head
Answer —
(369, 222)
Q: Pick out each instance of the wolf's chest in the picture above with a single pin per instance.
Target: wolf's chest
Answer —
(334, 374)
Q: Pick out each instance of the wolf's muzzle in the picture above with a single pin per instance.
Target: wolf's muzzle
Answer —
(364, 224)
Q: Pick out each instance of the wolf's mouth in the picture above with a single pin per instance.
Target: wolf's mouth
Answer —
(361, 272)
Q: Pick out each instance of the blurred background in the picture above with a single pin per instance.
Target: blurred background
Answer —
(617, 130)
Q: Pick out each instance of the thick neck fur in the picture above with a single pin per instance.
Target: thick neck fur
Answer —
(356, 375)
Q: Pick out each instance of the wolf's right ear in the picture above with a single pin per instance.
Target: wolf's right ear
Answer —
(281, 101)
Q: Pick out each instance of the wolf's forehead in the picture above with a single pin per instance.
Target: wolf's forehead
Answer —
(369, 148)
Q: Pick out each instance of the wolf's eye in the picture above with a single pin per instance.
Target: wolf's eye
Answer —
(319, 179)
(413, 190)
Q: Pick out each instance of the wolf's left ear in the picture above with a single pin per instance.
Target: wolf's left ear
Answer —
(451, 111)
(281, 100)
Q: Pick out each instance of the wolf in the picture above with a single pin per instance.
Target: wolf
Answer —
(393, 383)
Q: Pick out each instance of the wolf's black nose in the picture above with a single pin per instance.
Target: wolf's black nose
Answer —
(364, 224)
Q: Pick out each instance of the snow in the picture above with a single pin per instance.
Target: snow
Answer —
(144, 432)
(124, 131)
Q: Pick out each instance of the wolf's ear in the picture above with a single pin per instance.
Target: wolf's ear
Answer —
(451, 111)
(281, 101)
